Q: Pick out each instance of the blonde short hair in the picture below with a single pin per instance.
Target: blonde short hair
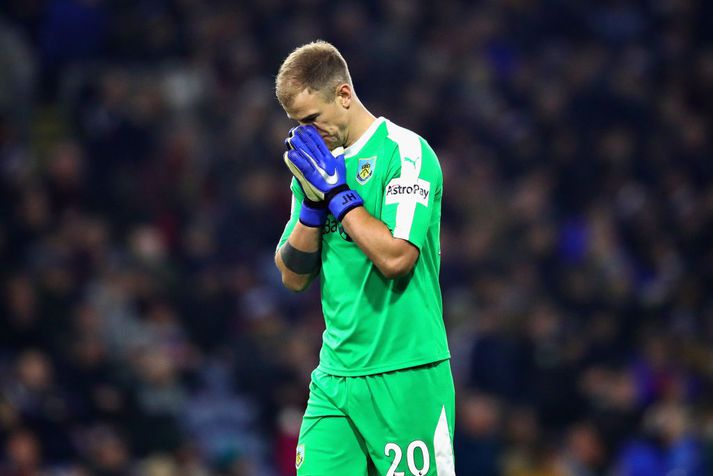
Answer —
(316, 66)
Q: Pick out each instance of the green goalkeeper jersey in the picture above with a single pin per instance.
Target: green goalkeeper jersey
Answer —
(375, 324)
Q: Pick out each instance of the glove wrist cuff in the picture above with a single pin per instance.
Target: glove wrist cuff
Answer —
(341, 200)
(313, 214)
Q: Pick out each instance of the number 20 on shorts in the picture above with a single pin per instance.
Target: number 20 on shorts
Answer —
(393, 448)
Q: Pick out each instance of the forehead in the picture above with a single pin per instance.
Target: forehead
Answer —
(305, 103)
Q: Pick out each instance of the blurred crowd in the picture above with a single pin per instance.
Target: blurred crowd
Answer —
(143, 327)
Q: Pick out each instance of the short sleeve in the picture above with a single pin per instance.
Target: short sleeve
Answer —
(413, 182)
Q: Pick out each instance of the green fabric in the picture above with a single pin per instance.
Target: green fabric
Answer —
(368, 424)
(375, 324)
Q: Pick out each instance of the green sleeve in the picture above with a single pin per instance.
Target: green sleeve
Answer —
(297, 197)
(413, 184)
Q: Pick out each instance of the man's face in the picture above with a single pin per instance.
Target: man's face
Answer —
(328, 116)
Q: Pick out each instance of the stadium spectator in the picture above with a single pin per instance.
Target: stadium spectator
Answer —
(138, 138)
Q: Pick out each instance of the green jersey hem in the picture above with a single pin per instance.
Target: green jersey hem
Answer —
(380, 369)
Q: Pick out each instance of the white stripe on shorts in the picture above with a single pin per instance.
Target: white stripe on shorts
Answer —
(445, 466)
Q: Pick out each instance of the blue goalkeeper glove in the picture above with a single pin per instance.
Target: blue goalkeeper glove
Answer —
(323, 173)
(313, 212)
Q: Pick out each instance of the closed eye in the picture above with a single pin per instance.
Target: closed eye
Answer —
(309, 119)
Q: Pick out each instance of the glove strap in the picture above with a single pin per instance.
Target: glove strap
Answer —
(341, 200)
(313, 214)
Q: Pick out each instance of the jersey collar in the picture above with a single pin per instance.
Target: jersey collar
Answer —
(357, 146)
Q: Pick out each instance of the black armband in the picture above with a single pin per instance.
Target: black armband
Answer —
(300, 262)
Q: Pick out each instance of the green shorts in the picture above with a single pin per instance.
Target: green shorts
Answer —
(398, 422)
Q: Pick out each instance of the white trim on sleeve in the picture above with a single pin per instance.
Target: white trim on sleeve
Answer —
(409, 145)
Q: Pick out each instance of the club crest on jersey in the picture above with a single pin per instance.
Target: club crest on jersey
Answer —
(365, 169)
(300, 456)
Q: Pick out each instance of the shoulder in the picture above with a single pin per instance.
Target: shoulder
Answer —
(405, 141)
(410, 149)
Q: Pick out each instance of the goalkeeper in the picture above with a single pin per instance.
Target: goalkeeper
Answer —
(366, 209)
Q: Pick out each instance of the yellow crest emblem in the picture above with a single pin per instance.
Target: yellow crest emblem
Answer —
(365, 169)
(300, 456)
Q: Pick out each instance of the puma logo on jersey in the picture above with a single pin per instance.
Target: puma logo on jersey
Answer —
(408, 159)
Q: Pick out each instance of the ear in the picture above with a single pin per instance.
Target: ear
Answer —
(344, 95)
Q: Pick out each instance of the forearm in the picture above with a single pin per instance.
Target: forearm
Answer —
(303, 239)
(394, 257)
(324, 175)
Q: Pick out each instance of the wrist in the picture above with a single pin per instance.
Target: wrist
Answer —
(341, 200)
(313, 214)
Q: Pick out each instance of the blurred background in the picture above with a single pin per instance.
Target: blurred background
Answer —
(143, 328)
